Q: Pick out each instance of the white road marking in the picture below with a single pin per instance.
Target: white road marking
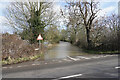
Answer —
(111, 74)
(45, 63)
(36, 49)
(108, 55)
(95, 57)
(11, 67)
(104, 56)
(60, 61)
(117, 67)
(5, 67)
(66, 60)
(83, 57)
(33, 64)
(71, 76)
(111, 55)
(19, 66)
(72, 58)
(101, 56)
(37, 64)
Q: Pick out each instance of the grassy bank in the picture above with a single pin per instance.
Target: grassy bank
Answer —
(19, 60)
(101, 52)
(24, 59)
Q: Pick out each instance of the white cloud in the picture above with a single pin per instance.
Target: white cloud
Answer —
(56, 8)
(3, 5)
(32, 0)
(3, 27)
(2, 19)
(107, 10)
(108, 0)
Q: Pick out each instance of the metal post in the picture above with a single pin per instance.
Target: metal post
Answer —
(39, 45)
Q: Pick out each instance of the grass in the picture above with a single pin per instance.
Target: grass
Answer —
(18, 60)
(102, 52)
(24, 59)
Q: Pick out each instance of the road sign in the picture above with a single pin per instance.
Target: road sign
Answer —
(39, 37)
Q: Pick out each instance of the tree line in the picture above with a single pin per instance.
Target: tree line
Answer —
(89, 31)
(84, 27)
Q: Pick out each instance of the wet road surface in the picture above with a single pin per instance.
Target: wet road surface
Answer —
(66, 61)
(62, 50)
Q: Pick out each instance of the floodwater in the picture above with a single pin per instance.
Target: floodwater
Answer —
(62, 50)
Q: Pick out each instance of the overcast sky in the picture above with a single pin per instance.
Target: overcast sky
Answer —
(107, 7)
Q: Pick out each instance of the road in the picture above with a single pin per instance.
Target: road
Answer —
(101, 67)
(64, 49)
(65, 61)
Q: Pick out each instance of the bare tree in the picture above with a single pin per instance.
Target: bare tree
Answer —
(104, 34)
(29, 18)
(86, 12)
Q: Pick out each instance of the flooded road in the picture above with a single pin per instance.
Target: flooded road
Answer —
(62, 50)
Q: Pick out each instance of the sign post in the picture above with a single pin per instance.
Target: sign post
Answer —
(39, 38)
(39, 45)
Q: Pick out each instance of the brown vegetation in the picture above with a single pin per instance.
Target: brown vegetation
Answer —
(14, 47)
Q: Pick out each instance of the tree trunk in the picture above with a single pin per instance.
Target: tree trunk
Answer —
(118, 35)
(75, 36)
(88, 38)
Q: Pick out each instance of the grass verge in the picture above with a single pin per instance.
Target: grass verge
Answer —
(24, 59)
(19, 60)
(102, 52)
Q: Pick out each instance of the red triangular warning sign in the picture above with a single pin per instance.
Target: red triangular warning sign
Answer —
(39, 37)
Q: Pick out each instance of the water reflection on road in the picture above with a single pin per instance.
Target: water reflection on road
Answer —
(62, 50)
